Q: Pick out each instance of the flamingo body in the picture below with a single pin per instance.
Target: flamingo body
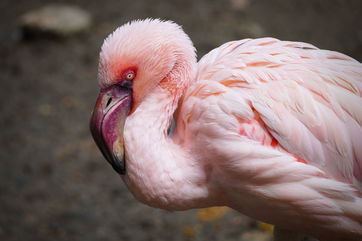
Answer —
(270, 128)
(283, 120)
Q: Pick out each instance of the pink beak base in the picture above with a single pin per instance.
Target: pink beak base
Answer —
(107, 123)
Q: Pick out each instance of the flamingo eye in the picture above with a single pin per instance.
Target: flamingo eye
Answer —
(127, 78)
(130, 75)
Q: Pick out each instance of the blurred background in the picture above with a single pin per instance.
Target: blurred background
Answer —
(54, 184)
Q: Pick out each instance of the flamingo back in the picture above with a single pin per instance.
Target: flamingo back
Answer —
(278, 125)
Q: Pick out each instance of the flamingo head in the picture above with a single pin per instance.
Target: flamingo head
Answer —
(136, 58)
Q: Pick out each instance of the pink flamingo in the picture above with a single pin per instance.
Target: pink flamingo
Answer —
(270, 128)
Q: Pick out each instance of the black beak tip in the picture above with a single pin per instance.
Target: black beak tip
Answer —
(118, 165)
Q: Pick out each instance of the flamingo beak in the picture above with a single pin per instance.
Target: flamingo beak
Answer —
(107, 123)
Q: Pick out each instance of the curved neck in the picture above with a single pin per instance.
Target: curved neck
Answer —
(159, 172)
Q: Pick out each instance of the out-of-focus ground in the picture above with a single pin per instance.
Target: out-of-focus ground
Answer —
(54, 184)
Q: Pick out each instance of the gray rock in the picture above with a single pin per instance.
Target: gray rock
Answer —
(239, 4)
(55, 20)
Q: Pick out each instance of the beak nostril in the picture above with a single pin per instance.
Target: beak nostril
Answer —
(109, 101)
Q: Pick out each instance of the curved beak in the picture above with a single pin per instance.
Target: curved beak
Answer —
(107, 123)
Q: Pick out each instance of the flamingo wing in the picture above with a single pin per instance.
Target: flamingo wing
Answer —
(308, 100)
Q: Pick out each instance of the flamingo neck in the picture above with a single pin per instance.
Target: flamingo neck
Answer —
(161, 173)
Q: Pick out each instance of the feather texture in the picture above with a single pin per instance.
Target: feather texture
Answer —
(281, 122)
(270, 128)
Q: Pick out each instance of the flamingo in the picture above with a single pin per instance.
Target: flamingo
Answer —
(270, 128)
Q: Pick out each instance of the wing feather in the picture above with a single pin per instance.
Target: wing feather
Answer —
(309, 99)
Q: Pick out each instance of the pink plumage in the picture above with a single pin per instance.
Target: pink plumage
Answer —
(270, 128)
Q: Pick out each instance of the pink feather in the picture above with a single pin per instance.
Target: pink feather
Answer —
(270, 128)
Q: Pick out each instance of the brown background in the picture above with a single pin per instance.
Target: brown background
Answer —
(54, 184)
